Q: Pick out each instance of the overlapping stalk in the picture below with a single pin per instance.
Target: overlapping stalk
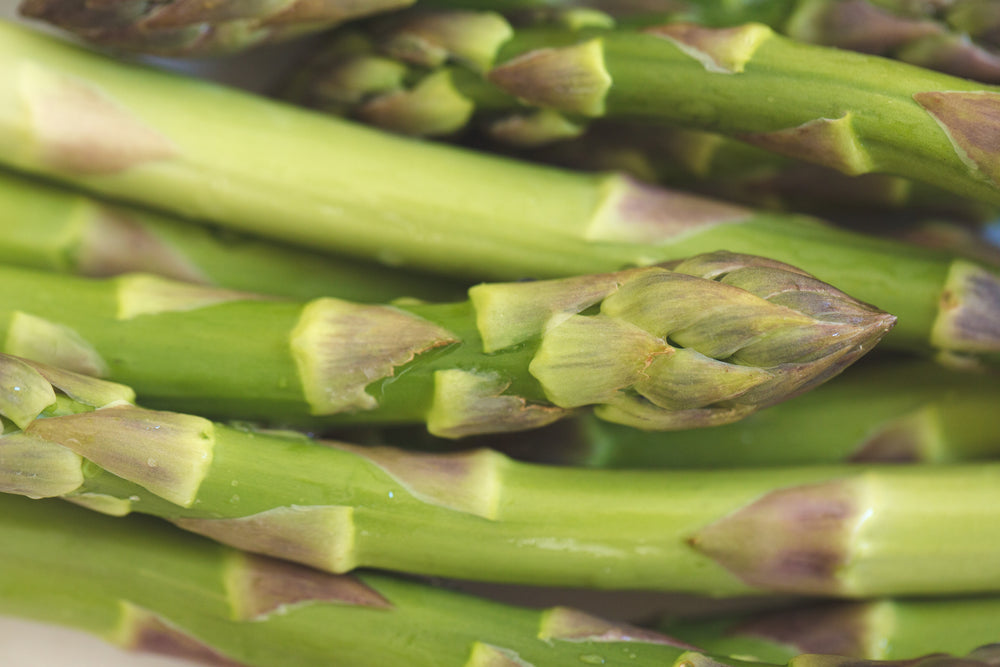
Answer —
(381, 76)
(818, 104)
(824, 530)
(851, 112)
(196, 28)
(873, 629)
(960, 37)
(892, 412)
(48, 227)
(708, 341)
(146, 587)
(174, 143)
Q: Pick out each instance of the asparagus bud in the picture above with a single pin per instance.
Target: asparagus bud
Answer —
(708, 342)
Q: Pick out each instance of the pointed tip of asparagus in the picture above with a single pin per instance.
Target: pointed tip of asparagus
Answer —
(793, 540)
(968, 322)
(836, 628)
(740, 333)
(262, 587)
(571, 79)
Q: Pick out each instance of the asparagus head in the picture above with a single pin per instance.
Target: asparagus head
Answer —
(704, 341)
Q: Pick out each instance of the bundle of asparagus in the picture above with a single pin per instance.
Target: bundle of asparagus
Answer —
(825, 530)
(695, 313)
(144, 586)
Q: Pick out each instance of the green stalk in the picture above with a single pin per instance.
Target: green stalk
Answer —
(419, 74)
(48, 227)
(851, 112)
(959, 37)
(140, 585)
(173, 142)
(192, 28)
(895, 412)
(823, 530)
(707, 342)
(873, 629)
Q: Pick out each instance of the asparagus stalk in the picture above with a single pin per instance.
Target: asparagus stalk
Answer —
(195, 28)
(823, 530)
(706, 342)
(356, 75)
(959, 37)
(146, 587)
(395, 74)
(171, 142)
(871, 629)
(898, 411)
(48, 227)
(819, 104)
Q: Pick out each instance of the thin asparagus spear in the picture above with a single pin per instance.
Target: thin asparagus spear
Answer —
(196, 28)
(823, 530)
(280, 172)
(873, 629)
(357, 75)
(852, 112)
(48, 227)
(143, 586)
(744, 333)
(898, 411)
(959, 37)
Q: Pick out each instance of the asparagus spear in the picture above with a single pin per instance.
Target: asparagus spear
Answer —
(824, 530)
(356, 75)
(898, 411)
(814, 103)
(707, 342)
(196, 28)
(48, 227)
(872, 629)
(146, 587)
(172, 142)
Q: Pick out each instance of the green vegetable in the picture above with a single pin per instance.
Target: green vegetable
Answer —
(707, 341)
(48, 227)
(825, 530)
(145, 587)
(172, 142)
(900, 411)
(874, 629)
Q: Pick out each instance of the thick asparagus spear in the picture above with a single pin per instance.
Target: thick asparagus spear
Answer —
(196, 28)
(146, 587)
(824, 530)
(173, 142)
(852, 112)
(872, 629)
(49, 227)
(894, 411)
(707, 342)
